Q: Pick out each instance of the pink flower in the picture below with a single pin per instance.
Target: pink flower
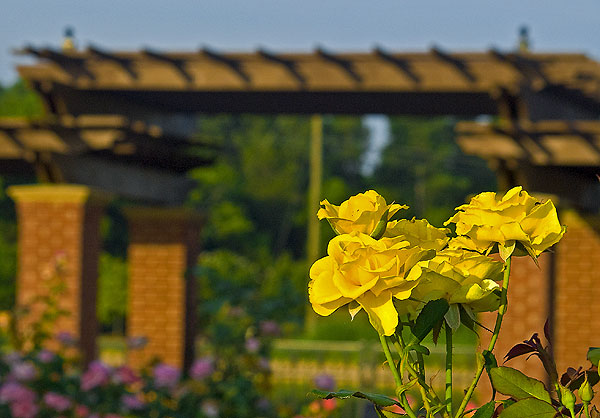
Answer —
(270, 328)
(45, 356)
(23, 371)
(125, 375)
(252, 345)
(15, 392)
(96, 375)
(132, 402)
(57, 402)
(112, 416)
(329, 404)
(24, 409)
(165, 376)
(202, 368)
(325, 382)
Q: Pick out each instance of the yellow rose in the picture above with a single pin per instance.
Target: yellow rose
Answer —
(368, 273)
(419, 233)
(513, 218)
(461, 277)
(360, 213)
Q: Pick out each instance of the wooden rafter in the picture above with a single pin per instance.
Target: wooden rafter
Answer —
(289, 65)
(233, 64)
(344, 64)
(402, 64)
(177, 64)
(454, 62)
(124, 63)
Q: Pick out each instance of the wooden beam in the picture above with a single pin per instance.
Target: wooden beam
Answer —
(74, 66)
(529, 69)
(289, 65)
(142, 184)
(402, 64)
(232, 64)
(178, 64)
(345, 65)
(454, 62)
(124, 63)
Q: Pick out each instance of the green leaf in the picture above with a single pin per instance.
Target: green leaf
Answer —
(485, 411)
(593, 355)
(452, 317)
(377, 399)
(467, 317)
(512, 382)
(432, 313)
(490, 360)
(530, 407)
(418, 348)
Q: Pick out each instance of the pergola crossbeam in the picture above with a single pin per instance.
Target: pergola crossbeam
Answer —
(124, 63)
(455, 63)
(230, 63)
(402, 64)
(345, 65)
(289, 65)
(177, 64)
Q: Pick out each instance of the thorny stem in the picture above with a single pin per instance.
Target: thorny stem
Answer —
(448, 369)
(501, 312)
(587, 409)
(397, 377)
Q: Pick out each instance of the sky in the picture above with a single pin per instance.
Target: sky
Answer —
(298, 25)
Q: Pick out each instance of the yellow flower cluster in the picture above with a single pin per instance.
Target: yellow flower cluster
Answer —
(390, 267)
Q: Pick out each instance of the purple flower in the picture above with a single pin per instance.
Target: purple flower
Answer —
(264, 364)
(57, 402)
(132, 402)
(66, 338)
(15, 392)
(136, 342)
(45, 356)
(270, 328)
(96, 375)
(325, 382)
(26, 409)
(202, 368)
(12, 357)
(165, 376)
(125, 375)
(252, 345)
(23, 371)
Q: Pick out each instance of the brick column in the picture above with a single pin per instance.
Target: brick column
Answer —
(577, 290)
(164, 245)
(60, 221)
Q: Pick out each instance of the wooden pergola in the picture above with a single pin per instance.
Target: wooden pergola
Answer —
(122, 122)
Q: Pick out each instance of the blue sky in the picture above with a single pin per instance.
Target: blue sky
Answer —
(300, 25)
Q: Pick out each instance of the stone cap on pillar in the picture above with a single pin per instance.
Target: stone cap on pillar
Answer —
(59, 193)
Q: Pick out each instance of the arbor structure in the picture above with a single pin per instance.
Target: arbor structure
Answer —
(121, 122)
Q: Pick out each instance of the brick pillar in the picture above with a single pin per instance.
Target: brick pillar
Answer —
(577, 300)
(529, 295)
(60, 221)
(164, 245)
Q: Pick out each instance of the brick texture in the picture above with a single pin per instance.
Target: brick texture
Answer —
(163, 248)
(60, 223)
(577, 295)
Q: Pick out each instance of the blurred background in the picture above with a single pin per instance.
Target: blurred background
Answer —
(254, 193)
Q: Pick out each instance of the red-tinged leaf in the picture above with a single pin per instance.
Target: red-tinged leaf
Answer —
(569, 376)
(519, 350)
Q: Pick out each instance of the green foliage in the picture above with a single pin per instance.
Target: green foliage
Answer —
(20, 101)
(423, 164)
(512, 382)
(529, 407)
(112, 291)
